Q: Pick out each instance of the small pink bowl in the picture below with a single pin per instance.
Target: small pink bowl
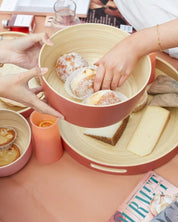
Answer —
(23, 140)
(92, 41)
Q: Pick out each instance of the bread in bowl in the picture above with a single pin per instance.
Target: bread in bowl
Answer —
(81, 83)
(68, 63)
(105, 97)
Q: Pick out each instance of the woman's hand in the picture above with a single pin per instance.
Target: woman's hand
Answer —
(24, 51)
(15, 87)
(116, 65)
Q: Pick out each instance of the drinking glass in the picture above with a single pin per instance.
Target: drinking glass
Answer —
(64, 15)
(46, 139)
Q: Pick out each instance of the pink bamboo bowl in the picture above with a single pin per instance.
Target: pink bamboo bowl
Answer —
(91, 41)
(23, 140)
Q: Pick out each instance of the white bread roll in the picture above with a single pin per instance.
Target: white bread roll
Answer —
(81, 83)
(68, 63)
(105, 97)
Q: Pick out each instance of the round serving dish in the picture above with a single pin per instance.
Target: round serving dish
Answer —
(106, 158)
(15, 120)
(92, 41)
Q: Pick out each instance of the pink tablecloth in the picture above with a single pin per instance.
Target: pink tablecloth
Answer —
(67, 191)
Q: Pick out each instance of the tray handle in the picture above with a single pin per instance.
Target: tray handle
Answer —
(108, 169)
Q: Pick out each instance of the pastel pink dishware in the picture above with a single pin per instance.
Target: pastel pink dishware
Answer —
(23, 140)
(46, 139)
(153, 66)
(91, 41)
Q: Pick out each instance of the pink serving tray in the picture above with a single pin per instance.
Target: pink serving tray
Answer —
(116, 159)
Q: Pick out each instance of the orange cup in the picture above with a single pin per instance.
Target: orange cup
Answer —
(46, 138)
(153, 66)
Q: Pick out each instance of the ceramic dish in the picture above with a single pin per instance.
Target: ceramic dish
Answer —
(23, 140)
(116, 159)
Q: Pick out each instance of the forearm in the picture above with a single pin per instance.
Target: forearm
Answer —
(168, 33)
(156, 38)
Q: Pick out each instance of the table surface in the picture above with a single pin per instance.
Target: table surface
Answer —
(66, 190)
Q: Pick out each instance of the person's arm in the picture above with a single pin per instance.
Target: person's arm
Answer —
(24, 52)
(116, 65)
(15, 87)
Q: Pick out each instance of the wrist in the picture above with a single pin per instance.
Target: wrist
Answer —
(141, 43)
(148, 40)
(5, 54)
(136, 48)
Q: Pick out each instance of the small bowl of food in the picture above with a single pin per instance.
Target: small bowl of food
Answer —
(77, 48)
(15, 142)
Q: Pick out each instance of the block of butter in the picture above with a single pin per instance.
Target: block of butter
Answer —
(149, 130)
